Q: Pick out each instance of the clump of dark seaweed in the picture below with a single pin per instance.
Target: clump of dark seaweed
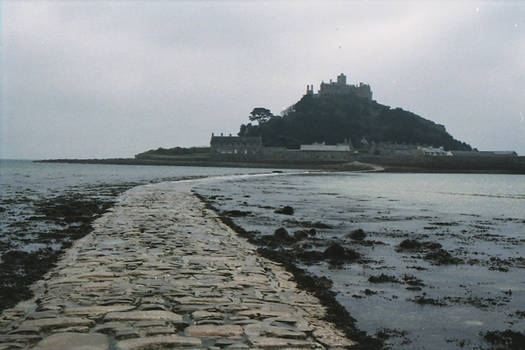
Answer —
(412, 280)
(286, 210)
(413, 245)
(336, 254)
(357, 235)
(442, 257)
(434, 251)
(508, 339)
(383, 278)
(423, 300)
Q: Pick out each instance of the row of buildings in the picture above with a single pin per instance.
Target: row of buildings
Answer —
(242, 148)
(237, 148)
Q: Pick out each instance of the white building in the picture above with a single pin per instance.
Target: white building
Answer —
(341, 147)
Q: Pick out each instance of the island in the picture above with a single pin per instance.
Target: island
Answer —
(339, 127)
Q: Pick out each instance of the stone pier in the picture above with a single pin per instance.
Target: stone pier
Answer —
(160, 271)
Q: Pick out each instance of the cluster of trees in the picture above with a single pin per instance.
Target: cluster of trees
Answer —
(332, 119)
(260, 115)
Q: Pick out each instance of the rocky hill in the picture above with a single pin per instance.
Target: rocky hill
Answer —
(332, 119)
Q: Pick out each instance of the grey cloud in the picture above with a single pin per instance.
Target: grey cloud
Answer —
(100, 79)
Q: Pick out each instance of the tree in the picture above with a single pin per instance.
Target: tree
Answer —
(260, 115)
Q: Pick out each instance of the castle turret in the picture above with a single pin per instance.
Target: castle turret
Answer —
(310, 89)
(341, 79)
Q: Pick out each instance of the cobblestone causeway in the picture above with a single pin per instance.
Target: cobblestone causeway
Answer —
(159, 271)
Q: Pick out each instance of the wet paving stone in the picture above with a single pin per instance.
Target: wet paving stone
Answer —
(161, 271)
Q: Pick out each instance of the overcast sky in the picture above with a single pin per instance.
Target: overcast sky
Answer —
(114, 78)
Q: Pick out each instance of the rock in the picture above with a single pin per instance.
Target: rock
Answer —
(207, 315)
(111, 327)
(129, 333)
(96, 310)
(74, 341)
(237, 346)
(409, 244)
(280, 343)
(144, 315)
(159, 342)
(286, 210)
(412, 245)
(214, 331)
(357, 235)
(282, 235)
(236, 213)
(263, 313)
(61, 322)
(160, 331)
(333, 339)
(337, 254)
(273, 331)
(300, 235)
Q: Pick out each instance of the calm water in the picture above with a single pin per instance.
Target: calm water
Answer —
(25, 183)
(479, 219)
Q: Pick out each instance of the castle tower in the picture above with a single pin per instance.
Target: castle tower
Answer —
(341, 79)
(310, 89)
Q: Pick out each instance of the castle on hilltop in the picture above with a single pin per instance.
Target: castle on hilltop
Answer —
(341, 88)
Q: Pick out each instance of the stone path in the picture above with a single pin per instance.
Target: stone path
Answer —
(160, 271)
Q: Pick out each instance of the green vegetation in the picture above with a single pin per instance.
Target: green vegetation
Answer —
(332, 119)
(175, 152)
(260, 115)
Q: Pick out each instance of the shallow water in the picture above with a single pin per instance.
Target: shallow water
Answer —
(26, 187)
(478, 219)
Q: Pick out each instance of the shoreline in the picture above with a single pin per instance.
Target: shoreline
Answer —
(94, 281)
(318, 286)
(391, 252)
(374, 164)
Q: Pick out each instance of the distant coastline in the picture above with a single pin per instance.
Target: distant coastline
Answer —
(468, 165)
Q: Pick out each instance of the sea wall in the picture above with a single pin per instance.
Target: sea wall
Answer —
(281, 154)
(451, 163)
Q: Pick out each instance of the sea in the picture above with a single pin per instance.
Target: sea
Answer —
(25, 186)
(442, 255)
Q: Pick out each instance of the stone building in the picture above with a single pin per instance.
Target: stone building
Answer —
(235, 147)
